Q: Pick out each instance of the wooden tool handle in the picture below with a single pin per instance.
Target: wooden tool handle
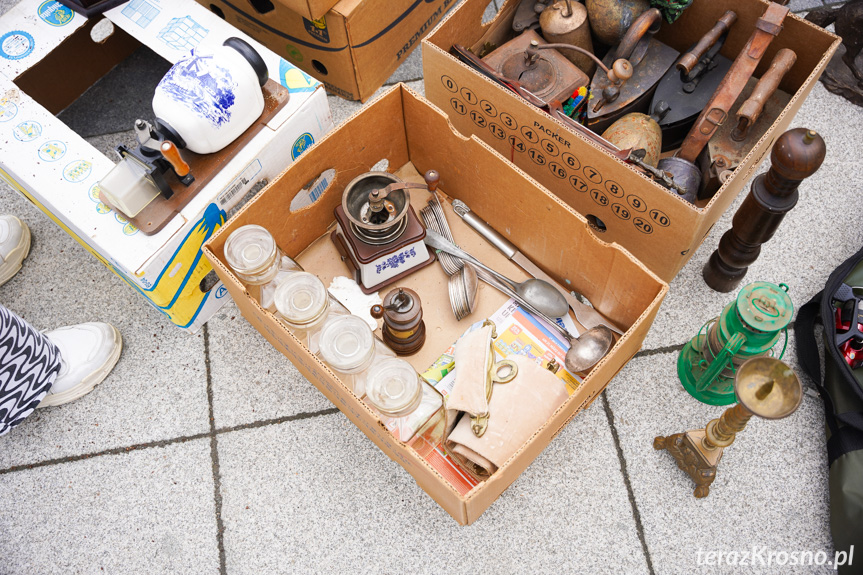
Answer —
(649, 21)
(767, 85)
(691, 58)
(432, 178)
(172, 154)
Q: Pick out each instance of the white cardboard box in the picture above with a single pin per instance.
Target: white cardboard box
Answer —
(59, 171)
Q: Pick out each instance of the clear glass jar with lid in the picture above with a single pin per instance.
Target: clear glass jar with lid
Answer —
(348, 345)
(255, 259)
(304, 305)
(408, 405)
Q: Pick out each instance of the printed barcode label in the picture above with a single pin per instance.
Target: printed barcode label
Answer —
(239, 183)
(232, 191)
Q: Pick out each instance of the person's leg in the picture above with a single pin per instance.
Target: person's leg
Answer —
(14, 246)
(88, 353)
(29, 363)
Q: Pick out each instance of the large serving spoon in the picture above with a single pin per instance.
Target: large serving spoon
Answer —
(538, 293)
(585, 351)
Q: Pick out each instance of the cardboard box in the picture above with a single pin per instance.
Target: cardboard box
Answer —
(353, 49)
(406, 130)
(311, 9)
(49, 59)
(658, 227)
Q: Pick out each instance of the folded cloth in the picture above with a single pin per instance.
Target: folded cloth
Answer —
(471, 372)
(516, 410)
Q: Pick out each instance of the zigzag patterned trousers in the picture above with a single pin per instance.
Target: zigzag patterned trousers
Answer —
(29, 363)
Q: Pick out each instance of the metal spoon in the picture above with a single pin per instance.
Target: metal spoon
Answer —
(462, 291)
(585, 351)
(541, 294)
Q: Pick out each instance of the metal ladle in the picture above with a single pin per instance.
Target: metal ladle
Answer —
(540, 294)
(585, 351)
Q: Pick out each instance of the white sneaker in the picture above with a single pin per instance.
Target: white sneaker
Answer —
(14, 246)
(88, 353)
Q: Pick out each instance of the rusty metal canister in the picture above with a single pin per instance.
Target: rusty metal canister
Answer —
(637, 131)
(610, 19)
(565, 22)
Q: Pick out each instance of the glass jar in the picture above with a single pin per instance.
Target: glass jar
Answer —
(348, 345)
(304, 305)
(252, 254)
(408, 405)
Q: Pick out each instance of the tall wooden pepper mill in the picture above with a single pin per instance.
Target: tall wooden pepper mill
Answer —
(797, 154)
(404, 329)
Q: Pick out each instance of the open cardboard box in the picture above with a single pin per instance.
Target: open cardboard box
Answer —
(352, 49)
(49, 58)
(658, 227)
(408, 132)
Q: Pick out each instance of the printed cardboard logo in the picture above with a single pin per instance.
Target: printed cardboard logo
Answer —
(301, 145)
(128, 228)
(52, 150)
(8, 110)
(183, 33)
(293, 78)
(140, 12)
(16, 44)
(54, 13)
(77, 171)
(317, 29)
(27, 131)
(293, 53)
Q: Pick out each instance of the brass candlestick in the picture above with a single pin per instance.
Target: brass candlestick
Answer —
(765, 387)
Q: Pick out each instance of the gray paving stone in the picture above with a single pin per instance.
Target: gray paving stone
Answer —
(124, 94)
(149, 511)
(410, 70)
(490, 11)
(804, 5)
(158, 388)
(107, 144)
(815, 237)
(251, 380)
(770, 490)
(343, 109)
(317, 495)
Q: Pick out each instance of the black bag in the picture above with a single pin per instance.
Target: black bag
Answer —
(842, 392)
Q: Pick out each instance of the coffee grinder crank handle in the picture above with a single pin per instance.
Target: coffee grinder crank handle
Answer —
(689, 60)
(751, 109)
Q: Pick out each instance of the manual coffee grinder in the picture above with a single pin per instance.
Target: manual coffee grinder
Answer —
(378, 233)
(765, 387)
(748, 327)
(404, 329)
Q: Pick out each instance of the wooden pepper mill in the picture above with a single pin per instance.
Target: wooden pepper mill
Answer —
(404, 330)
(796, 155)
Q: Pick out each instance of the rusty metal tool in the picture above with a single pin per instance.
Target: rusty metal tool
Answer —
(762, 105)
(688, 87)
(682, 166)
(650, 60)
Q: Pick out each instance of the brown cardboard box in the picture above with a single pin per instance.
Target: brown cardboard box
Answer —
(658, 227)
(352, 49)
(404, 129)
(311, 9)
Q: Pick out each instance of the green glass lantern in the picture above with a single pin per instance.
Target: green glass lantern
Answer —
(748, 327)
